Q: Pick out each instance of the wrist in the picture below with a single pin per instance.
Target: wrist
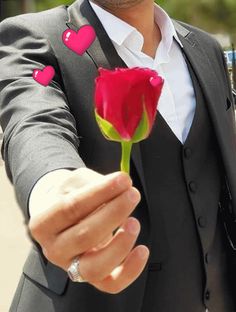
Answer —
(44, 186)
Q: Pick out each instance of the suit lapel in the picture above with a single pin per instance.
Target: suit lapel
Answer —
(204, 71)
(102, 50)
(104, 55)
(209, 82)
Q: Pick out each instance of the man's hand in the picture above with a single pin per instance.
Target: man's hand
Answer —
(78, 218)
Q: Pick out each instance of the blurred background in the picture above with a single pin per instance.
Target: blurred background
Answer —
(217, 17)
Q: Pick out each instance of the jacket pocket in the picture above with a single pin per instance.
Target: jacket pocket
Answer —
(45, 273)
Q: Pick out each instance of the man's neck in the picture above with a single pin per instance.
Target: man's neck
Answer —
(141, 16)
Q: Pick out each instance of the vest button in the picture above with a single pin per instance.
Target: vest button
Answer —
(202, 222)
(187, 152)
(193, 186)
(207, 294)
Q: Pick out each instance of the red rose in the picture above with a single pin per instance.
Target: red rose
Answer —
(126, 102)
(124, 94)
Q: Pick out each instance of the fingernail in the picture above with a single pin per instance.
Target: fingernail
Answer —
(133, 227)
(133, 195)
(143, 252)
(123, 181)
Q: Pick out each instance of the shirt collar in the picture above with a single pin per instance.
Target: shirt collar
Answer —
(168, 34)
(123, 33)
(166, 26)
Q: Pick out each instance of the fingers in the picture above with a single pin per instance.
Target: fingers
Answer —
(80, 216)
(97, 264)
(126, 273)
(93, 230)
(79, 178)
(76, 205)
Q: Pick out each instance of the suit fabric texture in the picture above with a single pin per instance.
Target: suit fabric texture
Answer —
(50, 128)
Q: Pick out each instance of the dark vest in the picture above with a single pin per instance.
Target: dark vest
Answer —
(188, 265)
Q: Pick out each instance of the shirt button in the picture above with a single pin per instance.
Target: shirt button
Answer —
(207, 295)
(193, 187)
(187, 152)
(202, 222)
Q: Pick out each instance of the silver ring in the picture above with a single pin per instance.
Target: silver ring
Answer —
(73, 272)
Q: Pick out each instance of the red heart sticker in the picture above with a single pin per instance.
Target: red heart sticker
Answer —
(79, 41)
(45, 76)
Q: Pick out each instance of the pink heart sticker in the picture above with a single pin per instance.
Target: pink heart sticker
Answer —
(155, 81)
(44, 77)
(79, 41)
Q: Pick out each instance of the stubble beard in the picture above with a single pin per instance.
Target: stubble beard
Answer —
(117, 4)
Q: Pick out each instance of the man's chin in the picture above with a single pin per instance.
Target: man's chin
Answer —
(117, 4)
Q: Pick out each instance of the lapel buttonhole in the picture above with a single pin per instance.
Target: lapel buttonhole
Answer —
(228, 104)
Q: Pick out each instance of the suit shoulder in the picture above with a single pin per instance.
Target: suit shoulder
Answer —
(201, 35)
(45, 21)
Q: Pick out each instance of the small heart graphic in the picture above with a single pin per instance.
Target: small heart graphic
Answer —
(44, 77)
(155, 81)
(79, 41)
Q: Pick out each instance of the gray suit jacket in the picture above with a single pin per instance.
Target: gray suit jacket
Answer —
(47, 128)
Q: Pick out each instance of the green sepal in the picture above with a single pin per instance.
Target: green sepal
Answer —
(143, 128)
(107, 129)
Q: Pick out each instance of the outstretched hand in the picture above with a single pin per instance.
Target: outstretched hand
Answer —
(79, 216)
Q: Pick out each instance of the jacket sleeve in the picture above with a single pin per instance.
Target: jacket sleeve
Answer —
(39, 130)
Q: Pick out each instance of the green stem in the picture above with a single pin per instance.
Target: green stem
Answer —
(125, 159)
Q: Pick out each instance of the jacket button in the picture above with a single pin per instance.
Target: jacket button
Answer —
(187, 152)
(202, 222)
(193, 187)
(207, 294)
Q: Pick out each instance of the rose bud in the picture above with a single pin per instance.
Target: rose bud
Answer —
(126, 102)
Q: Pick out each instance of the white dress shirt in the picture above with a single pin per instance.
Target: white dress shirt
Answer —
(177, 102)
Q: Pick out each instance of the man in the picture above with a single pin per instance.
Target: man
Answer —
(66, 175)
